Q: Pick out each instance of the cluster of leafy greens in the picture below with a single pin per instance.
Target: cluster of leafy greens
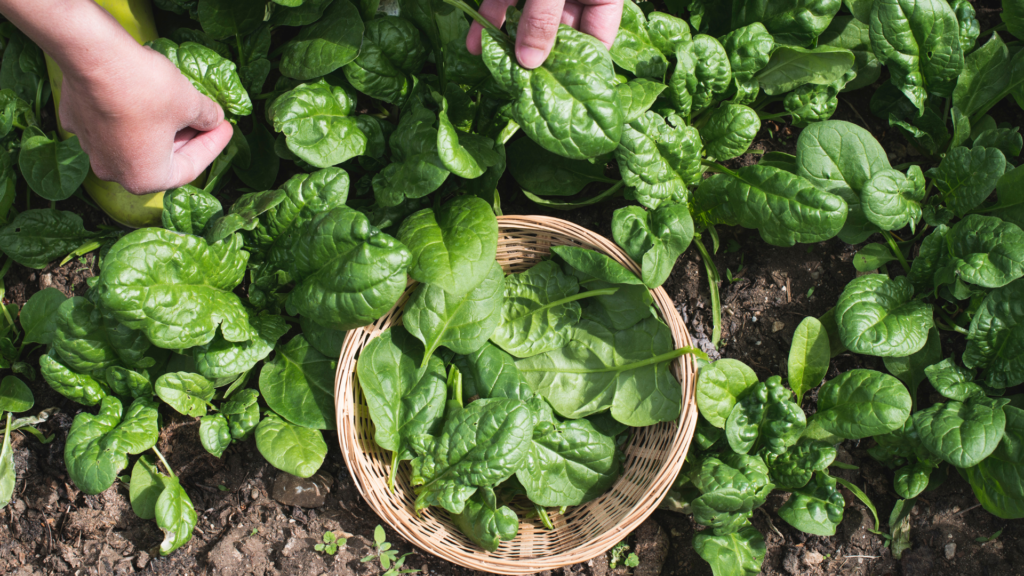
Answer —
(513, 391)
(369, 147)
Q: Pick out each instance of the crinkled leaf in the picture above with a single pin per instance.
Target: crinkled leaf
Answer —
(719, 385)
(862, 403)
(188, 209)
(571, 464)
(322, 47)
(298, 384)
(220, 358)
(315, 121)
(97, 446)
(186, 392)
(995, 342)
(962, 433)
(729, 131)
(879, 316)
(210, 73)
(535, 317)
(816, 508)
(81, 388)
(654, 238)
(892, 200)
(966, 177)
(214, 434)
(659, 157)
(765, 416)
(985, 250)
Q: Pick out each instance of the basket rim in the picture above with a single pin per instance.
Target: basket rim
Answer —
(684, 368)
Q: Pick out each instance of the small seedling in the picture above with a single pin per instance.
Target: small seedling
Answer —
(330, 544)
(984, 539)
(389, 559)
(222, 488)
(620, 554)
(254, 532)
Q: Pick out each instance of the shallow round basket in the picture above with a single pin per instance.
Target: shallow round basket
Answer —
(653, 457)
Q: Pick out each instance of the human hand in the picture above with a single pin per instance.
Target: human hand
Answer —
(141, 121)
(539, 24)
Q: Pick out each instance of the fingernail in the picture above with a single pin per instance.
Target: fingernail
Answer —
(530, 57)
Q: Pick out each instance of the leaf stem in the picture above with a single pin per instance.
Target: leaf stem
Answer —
(896, 250)
(719, 168)
(716, 300)
(391, 473)
(952, 325)
(764, 116)
(580, 296)
(472, 13)
(164, 460)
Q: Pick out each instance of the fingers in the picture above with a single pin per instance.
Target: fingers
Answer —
(537, 30)
(571, 14)
(494, 12)
(601, 19)
(189, 160)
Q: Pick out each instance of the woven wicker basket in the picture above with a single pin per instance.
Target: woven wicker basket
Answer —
(653, 457)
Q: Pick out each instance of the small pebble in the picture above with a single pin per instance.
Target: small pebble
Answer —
(753, 319)
(950, 550)
(255, 494)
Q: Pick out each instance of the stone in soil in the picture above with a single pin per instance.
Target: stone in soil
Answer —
(302, 492)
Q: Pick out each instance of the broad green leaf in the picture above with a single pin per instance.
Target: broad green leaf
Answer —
(212, 74)
(24, 69)
(702, 73)
(966, 177)
(809, 357)
(729, 131)
(852, 33)
(54, 169)
(658, 158)
(792, 66)
(485, 525)
(490, 372)
(785, 208)
(764, 417)
(911, 480)
(547, 174)
(731, 486)
(919, 42)
(667, 32)
(214, 434)
(995, 342)
(97, 446)
(749, 49)
(326, 45)
(1007, 140)
(962, 433)
(36, 237)
(998, 481)
(633, 49)
(81, 388)
(872, 257)
(570, 465)
(87, 342)
(15, 395)
(892, 200)
(298, 384)
(223, 18)
(306, 196)
(188, 209)
(862, 403)
(39, 316)
(719, 385)
(315, 121)
(348, 273)
(453, 248)
(145, 487)
(404, 399)
(128, 383)
(293, 449)
(952, 381)
(985, 250)
(599, 369)
(392, 50)
(327, 341)
(220, 358)
(841, 158)
(461, 324)
(187, 393)
(970, 28)
(794, 468)
(243, 215)
(985, 76)
(594, 264)
(479, 445)
(242, 412)
(931, 255)
(539, 311)
(569, 109)
(465, 154)
(911, 369)
(147, 285)
(816, 508)
(307, 12)
(175, 515)
(653, 238)
(813, 103)
(416, 168)
(879, 316)
(264, 164)
(738, 553)
(636, 97)
(796, 22)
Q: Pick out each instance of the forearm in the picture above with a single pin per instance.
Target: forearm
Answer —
(78, 34)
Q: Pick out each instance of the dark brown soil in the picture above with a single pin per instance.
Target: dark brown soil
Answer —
(51, 528)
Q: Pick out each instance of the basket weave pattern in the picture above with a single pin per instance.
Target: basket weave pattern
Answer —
(653, 457)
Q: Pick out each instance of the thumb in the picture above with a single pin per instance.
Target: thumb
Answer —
(202, 113)
(189, 161)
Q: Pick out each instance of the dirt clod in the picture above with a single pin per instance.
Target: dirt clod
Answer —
(950, 550)
(302, 492)
(651, 548)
